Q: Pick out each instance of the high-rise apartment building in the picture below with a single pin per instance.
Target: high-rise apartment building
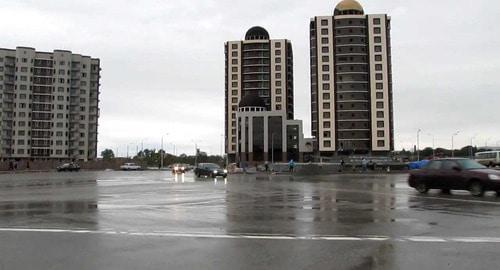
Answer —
(257, 66)
(351, 82)
(49, 105)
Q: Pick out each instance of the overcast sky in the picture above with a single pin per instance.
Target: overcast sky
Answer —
(163, 62)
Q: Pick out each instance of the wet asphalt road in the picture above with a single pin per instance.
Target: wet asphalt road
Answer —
(151, 220)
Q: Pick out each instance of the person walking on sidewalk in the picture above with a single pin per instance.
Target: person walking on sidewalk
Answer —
(291, 165)
(364, 164)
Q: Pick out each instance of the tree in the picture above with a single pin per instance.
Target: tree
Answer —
(107, 154)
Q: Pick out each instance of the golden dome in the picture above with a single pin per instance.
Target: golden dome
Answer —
(346, 7)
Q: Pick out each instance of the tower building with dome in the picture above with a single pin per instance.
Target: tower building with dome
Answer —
(351, 82)
(259, 111)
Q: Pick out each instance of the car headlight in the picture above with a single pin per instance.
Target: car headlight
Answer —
(494, 177)
(182, 168)
(176, 168)
(215, 171)
(225, 171)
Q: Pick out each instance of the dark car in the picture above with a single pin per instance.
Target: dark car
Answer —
(455, 174)
(209, 170)
(68, 167)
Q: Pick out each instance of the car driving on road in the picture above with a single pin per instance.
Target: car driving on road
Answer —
(209, 170)
(455, 174)
(68, 167)
(130, 167)
(178, 169)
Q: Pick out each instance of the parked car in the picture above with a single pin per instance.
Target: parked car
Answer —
(68, 167)
(130, 167)
(178, 169)
(455, 174)
(209, 170)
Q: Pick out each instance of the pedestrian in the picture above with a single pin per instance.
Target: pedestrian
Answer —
(266, 166)
(364, 164)
(28, 165)
(15, 165)
(291, 165)
(342, 164)
(11, 166)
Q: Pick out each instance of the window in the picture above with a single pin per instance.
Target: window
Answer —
(234, 77)
(20, 142)
(378, 40)
(324, 31)
(234, 61)
(278, 44)
(378, 76)
(278, 107)
(277, 68)
(326, 77)
(327, 134)
(278, 83)
(324, 22)
(325, 49)
(234, 54)
(326, 68)
(381, 143)
(20, 151)
(378, 67)
(326, 115)
(378, 48)
(380, 124)
(379, 86)
(24, 69)
(234, 69)
(327, 144)
(277, 75)
(324, 40)
(24, 78)
(234, 100)
(23, 87)
(380, 114)
(234, 84)
(326, 105)
(380, 95)
(381, 134)
(326, 96)
(378, 57)
(277, 52)
(325, 58)
(278, 91)
(376, 21)
(380, 105)
(234, 92)
(326, 86)
(326, 124)
(234, 46)
(60, 98)
(377, 30)
(59, 143)
(278, 99)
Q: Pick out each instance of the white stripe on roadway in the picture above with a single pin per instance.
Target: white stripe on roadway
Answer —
(345, 238)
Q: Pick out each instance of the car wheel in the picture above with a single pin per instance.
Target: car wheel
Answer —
(422, 188)
(446, 191)
(476, 189)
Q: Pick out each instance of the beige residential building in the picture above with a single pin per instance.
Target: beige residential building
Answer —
(351, 82)
(49, 105)
(262, 67)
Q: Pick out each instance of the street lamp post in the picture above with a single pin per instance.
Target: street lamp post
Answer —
(418, 144)
(433, 144)
(162, 151)
(471, 146)
(452, 143)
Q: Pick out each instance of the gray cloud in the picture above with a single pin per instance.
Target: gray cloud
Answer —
(163, 62)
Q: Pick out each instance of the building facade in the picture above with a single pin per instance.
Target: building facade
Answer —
(351, 82)
(257, 66)
(265, 135)
(50, 105)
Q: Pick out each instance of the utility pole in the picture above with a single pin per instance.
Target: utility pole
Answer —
(452, 143)
(162, 152)
(418, 144)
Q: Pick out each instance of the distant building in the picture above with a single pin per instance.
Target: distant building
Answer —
(50, 105)
(351, 82)
(259, 99)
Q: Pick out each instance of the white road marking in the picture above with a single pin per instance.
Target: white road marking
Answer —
(338, 238)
